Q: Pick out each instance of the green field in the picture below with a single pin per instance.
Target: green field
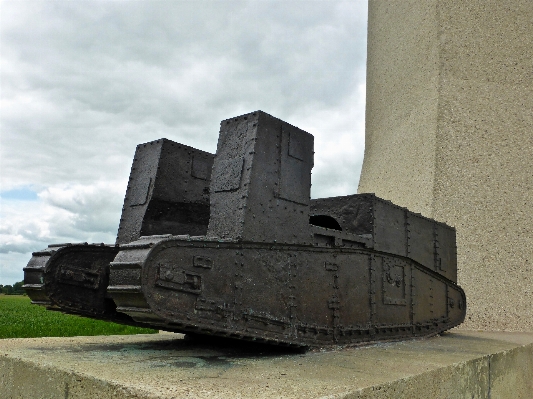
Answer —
(20, 319)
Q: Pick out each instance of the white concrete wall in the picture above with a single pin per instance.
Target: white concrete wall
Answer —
(450, 134)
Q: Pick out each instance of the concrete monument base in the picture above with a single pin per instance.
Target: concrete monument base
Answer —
(458, 364)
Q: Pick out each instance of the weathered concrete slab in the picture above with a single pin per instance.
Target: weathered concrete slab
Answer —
(459, 364)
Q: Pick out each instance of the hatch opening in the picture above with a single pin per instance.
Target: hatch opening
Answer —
(324, 221)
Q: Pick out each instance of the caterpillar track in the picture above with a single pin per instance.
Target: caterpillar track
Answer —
(73, 279)
(180, 283)
(232, 245)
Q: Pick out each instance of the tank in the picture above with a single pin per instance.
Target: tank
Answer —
(232, 245)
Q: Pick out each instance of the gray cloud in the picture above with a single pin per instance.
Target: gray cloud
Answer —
(84, 82)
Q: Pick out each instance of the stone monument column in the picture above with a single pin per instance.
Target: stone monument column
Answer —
(449, 134)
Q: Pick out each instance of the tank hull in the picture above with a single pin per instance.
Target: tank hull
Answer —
(284, 294)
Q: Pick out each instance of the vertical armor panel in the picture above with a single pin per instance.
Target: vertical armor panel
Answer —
(168, 191)
(420, 239)
(445, 251)
(261, 183)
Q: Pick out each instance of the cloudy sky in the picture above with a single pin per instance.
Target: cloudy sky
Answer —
(84, 82)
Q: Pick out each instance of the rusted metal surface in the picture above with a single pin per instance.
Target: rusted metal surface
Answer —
(73, 278)
(168, 191)
(391, 229)
(261, 184)
(268, 264)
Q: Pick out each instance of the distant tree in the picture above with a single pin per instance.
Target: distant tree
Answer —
(17, 288)
(7, 289)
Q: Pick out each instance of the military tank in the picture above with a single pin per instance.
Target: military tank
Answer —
(232, 245)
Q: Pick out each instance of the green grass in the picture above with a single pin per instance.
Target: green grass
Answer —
(20, 319)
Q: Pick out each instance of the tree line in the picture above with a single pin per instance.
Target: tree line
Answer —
(15, 289)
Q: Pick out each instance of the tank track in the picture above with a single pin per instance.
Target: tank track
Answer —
(134, 297)
(72, 278)
(34, 285)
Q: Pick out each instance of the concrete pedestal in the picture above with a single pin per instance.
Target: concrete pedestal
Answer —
(449, 134)
(456, 365)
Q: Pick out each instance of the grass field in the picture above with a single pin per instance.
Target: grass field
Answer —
(20, 319)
